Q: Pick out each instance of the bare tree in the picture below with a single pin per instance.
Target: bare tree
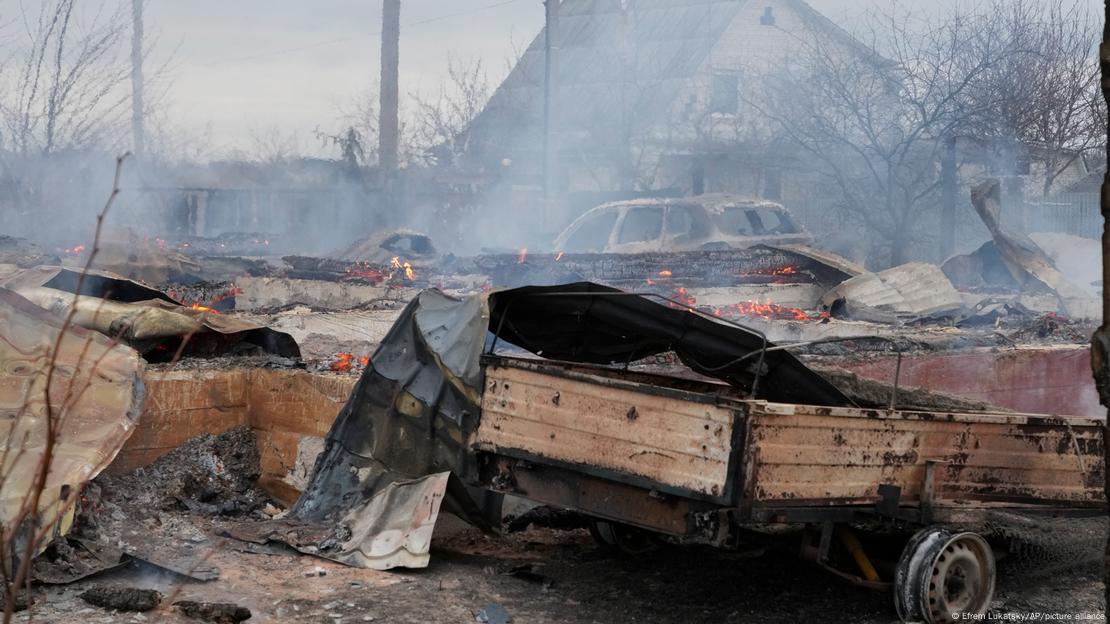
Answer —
(1039, 99)
(64, 108)
(441, 122)
(361, 114)
(272, 146)
(874, 121)
(67, 88)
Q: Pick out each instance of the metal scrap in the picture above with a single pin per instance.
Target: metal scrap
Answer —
(916, 289)
(1026, 262)
(146, 318)
(95, 396)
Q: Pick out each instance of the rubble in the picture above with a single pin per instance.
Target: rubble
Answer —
(209, 474)
(199, 515)
(122, 598)
(215, 612)
(1025, 262)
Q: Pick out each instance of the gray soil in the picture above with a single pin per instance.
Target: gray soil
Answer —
(544, 575)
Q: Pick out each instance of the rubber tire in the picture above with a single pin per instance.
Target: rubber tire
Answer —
(921, 555)
(621, 538)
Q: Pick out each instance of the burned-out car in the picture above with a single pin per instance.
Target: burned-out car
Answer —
(681, 224)
(381, 247)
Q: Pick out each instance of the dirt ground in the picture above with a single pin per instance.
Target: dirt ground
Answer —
(561, 576)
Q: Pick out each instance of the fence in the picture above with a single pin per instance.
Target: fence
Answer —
(1070, 213)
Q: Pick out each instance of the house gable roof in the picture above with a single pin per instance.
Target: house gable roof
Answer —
(613, 61)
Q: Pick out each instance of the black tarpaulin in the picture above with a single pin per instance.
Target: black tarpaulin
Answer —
(590, 323)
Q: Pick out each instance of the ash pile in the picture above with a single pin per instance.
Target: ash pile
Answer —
(162, 520)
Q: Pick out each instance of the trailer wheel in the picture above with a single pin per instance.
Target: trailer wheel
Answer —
(621, 538)
(941, 574)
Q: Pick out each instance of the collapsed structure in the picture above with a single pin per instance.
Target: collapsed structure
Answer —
(665, 396)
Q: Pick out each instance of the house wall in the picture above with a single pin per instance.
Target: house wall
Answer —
(726, 148)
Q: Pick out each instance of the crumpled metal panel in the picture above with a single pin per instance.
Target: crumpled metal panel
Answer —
(96, 394)
(406, 422)
(394, 528)
(915, 288)
(138, 314)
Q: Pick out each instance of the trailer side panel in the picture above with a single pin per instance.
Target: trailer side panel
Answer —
(834, 456)
(670, 438)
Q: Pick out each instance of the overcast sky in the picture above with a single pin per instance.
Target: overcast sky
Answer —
(244, 67)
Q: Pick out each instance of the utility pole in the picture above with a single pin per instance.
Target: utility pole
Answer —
(138, 133)
(388, 116)
(550, 102)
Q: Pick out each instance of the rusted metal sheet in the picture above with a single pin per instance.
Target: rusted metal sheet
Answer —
(668, 437)
(836, 456)
(1035, 379)
(96, 392)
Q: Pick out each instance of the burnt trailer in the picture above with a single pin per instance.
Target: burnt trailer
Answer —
(529, 392)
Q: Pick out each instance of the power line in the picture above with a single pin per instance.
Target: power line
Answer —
(320, 44)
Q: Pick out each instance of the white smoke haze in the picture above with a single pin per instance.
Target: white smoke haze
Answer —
(262, 117)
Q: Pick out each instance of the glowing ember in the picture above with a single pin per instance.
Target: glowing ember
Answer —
(786, 270)
(772, 311)
(665, 273)
(685, 298)
(362, 270)
(346, 361)
(523, 255)
(73, 251)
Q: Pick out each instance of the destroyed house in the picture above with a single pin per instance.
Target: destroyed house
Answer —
(648, 95)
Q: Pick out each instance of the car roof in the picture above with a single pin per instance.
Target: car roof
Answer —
(714, 203)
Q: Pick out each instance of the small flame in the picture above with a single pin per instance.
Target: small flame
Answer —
(342, 362)
(559, 256)
(522, 256)
(197, 306)
(73, 251)
(346, 361)
(666, 273)
(396, 264)
(779, 272)
(772, 311)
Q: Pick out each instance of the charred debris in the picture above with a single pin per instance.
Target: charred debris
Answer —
(331, 408)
